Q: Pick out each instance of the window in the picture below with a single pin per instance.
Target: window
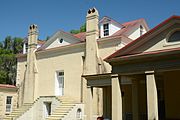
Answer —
(59, 90)
(79, 114)
(61, 40)
(106, 29)
(141, 30)
(8, 103)
(26, 47)
(60, 76)
(174, 37)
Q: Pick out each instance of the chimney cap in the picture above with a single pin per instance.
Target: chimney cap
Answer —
(92, 11)
(33, 26)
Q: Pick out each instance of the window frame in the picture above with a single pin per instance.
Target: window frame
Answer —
(167, 43)
(141, 30)
(79, 114)
(106, 30)
(9, 105)
(60, 80)
(60, 77)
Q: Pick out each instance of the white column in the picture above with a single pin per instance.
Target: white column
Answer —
(152, 98)
(89, 103)
(116, 98)
(135, 99)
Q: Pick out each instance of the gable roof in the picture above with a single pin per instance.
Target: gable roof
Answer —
(126, 51)
(52, 38)
(106, 18)
(129, 25)
(81, 37)
(125, 27)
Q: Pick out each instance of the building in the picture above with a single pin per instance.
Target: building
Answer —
(49, 76)
(8, 99)
(144, 82)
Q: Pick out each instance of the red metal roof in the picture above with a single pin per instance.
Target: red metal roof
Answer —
(41, 42)
(134, 43)
(81, 36)
(7, 86)
(128, 26)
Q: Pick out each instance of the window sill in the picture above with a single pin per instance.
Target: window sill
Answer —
(7, 113)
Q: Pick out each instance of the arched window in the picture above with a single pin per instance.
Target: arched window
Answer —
(79, 114)
(174, 37)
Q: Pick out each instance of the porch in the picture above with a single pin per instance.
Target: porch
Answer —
(149, 95)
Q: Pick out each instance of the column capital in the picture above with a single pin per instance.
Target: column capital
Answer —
(89, 86)
(114, 75)
(149, 72)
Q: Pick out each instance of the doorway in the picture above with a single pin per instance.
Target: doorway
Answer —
(59, 83)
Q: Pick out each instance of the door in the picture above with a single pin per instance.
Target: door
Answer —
(59, 91)
(47, 109)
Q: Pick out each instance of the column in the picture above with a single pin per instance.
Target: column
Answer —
(135, 99)
(152, 98)
(89, 103)
(116, 98)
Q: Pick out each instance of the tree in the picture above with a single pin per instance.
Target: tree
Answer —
(74, 31)
(8, 51)
(1, 45)
(17, 45)
(47, 38)
(81, 29)
(8, 43)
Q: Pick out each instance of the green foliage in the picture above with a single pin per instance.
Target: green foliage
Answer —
(74, 31)
(8, 51)
(47, 38)
(82, 29)
(17, 45)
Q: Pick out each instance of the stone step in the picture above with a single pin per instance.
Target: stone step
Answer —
(63, 109)
(18, 111)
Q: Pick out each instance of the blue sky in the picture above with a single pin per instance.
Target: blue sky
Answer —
(54, 15)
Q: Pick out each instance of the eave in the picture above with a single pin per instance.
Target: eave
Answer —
(145, 55)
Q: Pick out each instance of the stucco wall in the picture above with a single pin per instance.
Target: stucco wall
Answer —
(106, 49)
(3, 96)
(72, 65)
(20, 76)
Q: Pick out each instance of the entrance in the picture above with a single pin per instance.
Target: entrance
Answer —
(168, 95)
(47, 109)
(59, 83)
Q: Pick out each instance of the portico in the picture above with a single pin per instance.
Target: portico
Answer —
(144, 81)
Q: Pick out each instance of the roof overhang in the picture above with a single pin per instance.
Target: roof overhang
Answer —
(145, 55)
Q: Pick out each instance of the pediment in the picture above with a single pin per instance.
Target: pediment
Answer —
(160, 41)
(60, 38)
(154, 40)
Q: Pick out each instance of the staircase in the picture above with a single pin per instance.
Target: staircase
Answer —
(18, 111)
(67, 104)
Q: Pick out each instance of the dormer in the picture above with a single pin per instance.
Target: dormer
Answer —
(25, 45)
(108, 27)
